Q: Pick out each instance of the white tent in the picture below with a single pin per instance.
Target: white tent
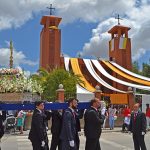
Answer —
(82, 94)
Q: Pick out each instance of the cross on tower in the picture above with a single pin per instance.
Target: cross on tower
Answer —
(51, 9)
(118, 18)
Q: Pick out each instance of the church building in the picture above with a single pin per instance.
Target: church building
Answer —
(114, 76)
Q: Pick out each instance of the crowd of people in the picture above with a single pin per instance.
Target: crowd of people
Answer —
(66, 125)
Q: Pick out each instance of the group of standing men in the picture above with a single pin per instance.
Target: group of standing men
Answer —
(65, 127)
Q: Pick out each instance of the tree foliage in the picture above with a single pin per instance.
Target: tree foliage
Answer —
(50, 82)
(144, 71)
(135, 67)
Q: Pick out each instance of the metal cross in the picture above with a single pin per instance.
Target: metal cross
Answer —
(51, 9)
(118, 18)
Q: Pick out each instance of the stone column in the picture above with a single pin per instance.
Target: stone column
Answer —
(60, 93)
(98, 92)
(131, 98)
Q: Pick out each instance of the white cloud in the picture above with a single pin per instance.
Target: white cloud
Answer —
(137, 18)
(98, 44)
(91, 10)
(138, 55)
(17, 12)
(18, 57)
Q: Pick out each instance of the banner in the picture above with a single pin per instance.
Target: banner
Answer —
(122, 43)
(111, 44)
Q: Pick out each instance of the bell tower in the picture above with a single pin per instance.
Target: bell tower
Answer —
(120, 46)
(120, 51)
(50, 42)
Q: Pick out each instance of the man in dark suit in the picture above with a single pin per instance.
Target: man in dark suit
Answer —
(1, 127)
(56, 129)
(38, 134)
(69, 131)
(2, 119)
(78, 116)
(138, 128)
(92, 128)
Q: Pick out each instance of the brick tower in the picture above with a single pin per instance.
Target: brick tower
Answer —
(50, 42)
(120, 51)
(120, 46)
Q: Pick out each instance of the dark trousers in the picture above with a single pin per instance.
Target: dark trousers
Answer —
(55, 142)
(77, 142)
(139, 142)
(92, 144)
(66, 146)
(37, 146)
(125, 126)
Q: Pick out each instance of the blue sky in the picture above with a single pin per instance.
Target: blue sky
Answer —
(84, 28)
(27, 39)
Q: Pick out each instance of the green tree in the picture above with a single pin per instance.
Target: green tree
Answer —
(135, 67)
(41, 75)
(146, 70)
(50, 82)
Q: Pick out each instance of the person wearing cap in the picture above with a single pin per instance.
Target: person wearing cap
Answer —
(69, 128)
(38, 134)
(137, 127)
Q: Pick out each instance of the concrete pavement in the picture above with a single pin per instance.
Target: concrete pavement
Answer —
(110, 140)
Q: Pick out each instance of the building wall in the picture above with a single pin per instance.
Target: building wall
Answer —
(50, 43)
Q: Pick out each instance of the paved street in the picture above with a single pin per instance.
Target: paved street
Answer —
(110, 140)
